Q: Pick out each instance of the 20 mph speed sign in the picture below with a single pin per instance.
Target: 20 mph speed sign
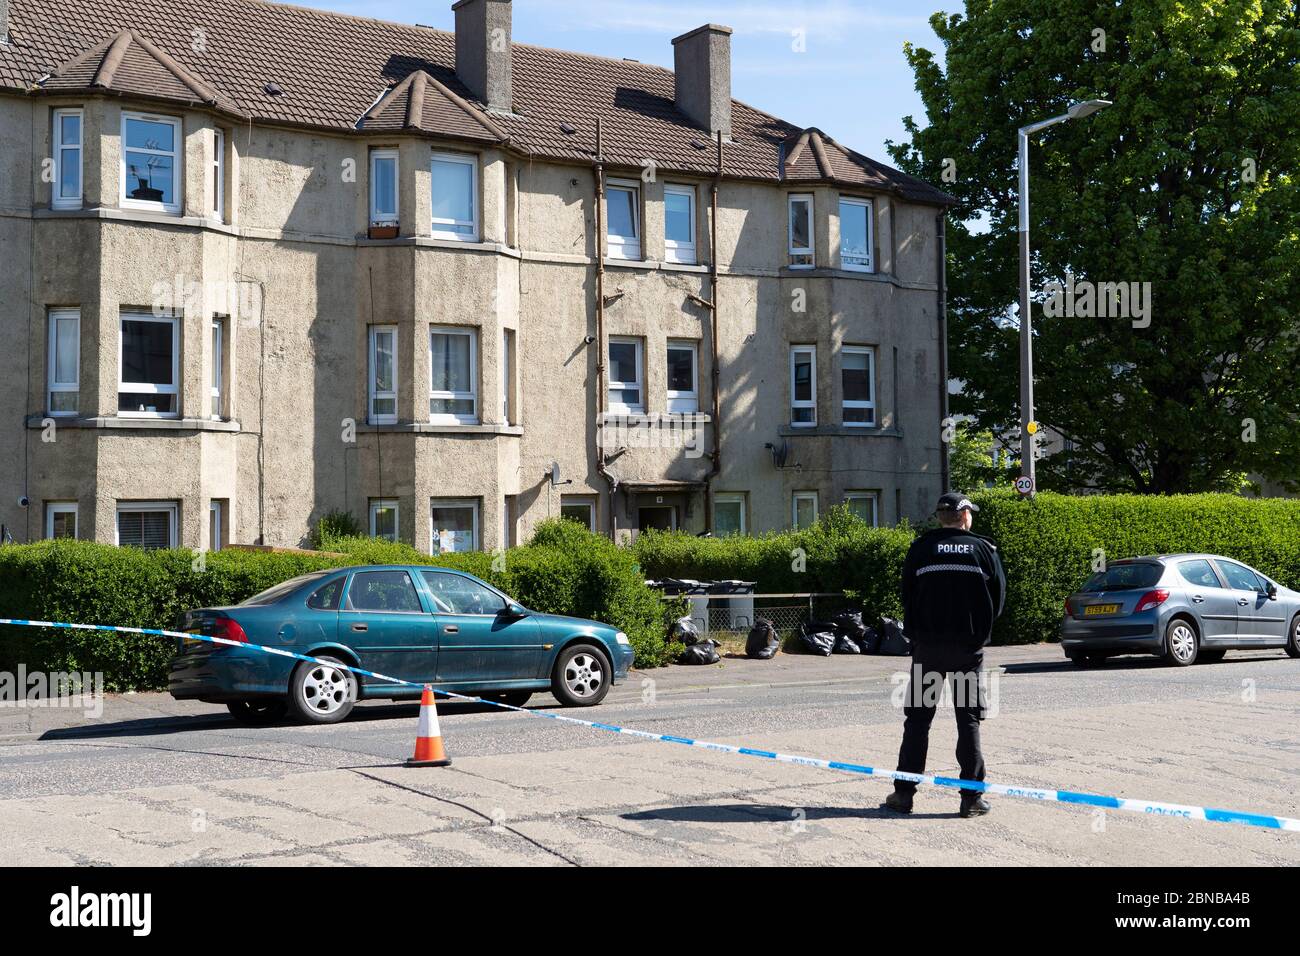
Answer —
(1025, 485)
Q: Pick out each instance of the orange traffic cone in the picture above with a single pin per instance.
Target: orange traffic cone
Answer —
(429, 751)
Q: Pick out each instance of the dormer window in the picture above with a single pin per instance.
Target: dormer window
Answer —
(151, 167)
(455, 197)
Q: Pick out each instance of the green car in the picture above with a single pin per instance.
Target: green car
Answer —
(426, 625)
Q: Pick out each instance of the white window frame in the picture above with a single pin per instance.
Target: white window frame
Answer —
(217, 404)
(130, 506)
(471, 395)
(509, 359)
(794, 507)
(869, 404)
(435, 545)
(177, 156)
(385, 219)
(796, 199)
(372, 393)
(380, 504)
(147, 388)
(731, 499)
(869, 265)
(873, 497)
(795, 403)
(675, 250)
(685, 402)
(622, 408)
(219, 174)
(216, 522)
(624, 247)
(60, 150)
(444, 233)
(584, 502)
(52, 383)
(53, 508)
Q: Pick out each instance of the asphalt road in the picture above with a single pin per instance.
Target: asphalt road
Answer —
(153, 781)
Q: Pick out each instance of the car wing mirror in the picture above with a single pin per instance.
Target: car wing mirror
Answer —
(514, 610)
(1272, 591)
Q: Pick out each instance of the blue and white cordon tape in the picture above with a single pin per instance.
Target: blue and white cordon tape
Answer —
(1153, 808)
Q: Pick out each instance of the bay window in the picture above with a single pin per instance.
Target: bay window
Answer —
(149, 366)
(151, 162)
(803, 386)
(454, 186)
(383, 187)
(383, 375)
(383, 518)
(67, 160)
(855, 235)
(455, 525)
(146, 524)
(801, 231)
(64, 364)
(453, 382)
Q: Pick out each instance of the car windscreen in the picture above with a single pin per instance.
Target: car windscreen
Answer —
(278, 591)
(1124, 577)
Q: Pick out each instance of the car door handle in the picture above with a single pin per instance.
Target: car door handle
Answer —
(360, 627)
(1197, 599)
(451, 629)
(1242, 601)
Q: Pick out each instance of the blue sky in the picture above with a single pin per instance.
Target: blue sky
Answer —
(851, 80)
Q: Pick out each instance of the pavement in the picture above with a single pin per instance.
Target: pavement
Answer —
(153, 781)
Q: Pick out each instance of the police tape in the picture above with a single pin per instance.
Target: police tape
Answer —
(1149, 807)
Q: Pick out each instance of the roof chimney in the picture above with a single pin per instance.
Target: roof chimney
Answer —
(483, 50)
(4, 21)
(702, 64)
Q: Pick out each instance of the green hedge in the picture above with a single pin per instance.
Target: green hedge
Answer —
(1047, 546)
(840, 553)
(1047, 543)
(565, 569)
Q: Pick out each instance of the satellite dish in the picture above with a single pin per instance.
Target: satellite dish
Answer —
(554, 472)
(780, 452)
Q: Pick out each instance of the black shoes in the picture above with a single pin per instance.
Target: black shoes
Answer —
(899, 802)
(974, 808)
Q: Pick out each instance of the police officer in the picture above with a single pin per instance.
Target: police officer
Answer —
(953, 590)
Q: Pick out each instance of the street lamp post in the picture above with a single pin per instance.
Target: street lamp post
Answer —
(1028, 441)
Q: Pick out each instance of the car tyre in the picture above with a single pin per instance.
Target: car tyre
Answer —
(1293, 642)
(257, 713)
(1181, 642)
(321, 691)
(514, 698)
(581, 676)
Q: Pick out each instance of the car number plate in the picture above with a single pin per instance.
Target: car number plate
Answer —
(1093, 609)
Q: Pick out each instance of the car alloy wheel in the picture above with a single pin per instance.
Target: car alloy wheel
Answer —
(323, 691)
(1181, 642)
(584, 675)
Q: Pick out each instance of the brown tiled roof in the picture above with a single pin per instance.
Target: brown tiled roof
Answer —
(811, 155)
(346, 73)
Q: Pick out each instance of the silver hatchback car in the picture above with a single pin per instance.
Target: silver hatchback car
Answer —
(1182, 607)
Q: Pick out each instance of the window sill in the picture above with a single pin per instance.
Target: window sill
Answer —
(613, 417)
(429, 428)
(135, 215)
(133, 424)
(840, 431)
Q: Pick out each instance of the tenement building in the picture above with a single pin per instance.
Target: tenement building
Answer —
(260, 263)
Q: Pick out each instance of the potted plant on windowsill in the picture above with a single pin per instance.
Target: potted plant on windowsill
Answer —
(383, 230)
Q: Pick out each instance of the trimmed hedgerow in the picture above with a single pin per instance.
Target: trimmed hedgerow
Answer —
(566, 569)
(1049, 543)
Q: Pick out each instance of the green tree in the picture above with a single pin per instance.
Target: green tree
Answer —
(970, 461)
(1189, 182)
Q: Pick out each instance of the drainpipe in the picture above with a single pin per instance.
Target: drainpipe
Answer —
(942, 255)
(602, 352)
(713, 343)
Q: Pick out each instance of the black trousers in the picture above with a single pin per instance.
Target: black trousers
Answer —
(932, 668)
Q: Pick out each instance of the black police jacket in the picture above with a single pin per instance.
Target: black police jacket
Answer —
(954, 588)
